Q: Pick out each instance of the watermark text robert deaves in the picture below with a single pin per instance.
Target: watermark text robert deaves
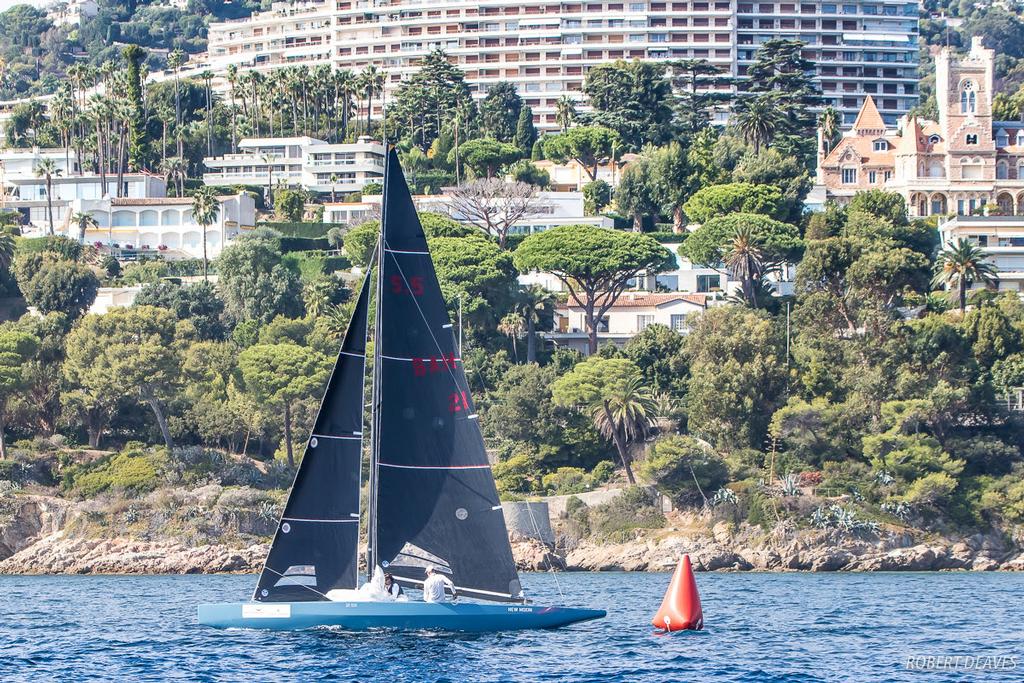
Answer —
(962, 662)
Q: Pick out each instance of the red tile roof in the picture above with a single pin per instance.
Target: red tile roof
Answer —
(649, 300)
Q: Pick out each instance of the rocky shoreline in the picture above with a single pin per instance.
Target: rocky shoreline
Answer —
(35, 539)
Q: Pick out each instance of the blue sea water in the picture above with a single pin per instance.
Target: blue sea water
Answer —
(760, 627)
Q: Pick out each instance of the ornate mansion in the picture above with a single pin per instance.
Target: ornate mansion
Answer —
(963, 164)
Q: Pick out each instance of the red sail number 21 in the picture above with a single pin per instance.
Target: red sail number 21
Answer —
(458, 402)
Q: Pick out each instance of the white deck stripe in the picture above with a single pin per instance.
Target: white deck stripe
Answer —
(354, 355)
(435, 467)
(325, 521)
(329, 436)
(401, 251)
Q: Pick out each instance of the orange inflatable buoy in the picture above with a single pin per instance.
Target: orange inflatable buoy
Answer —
(680, 610)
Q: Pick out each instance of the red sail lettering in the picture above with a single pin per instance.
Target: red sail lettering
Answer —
(415, 285)
(419, 368)
(458, 402)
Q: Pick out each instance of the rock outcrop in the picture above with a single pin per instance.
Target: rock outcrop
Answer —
(58, 554)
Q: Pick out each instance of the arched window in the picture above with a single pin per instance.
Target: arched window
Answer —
(968, 98)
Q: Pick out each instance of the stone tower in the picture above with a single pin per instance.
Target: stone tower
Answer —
(963, 91)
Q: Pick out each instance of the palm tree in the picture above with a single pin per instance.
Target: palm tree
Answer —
(84, 221)
(174, 61)
(6, 250)
(512, 327)
(205, 207)
(317, 296)
(268, 159)
(372, 81)
(961, 264)
(232, 78)
(176, 171)
(536, 305)
(828, 122)
(565, 112)
(207, 77)
(47, 168)
(624, 416)
(346, 85)
(758, 119)
(334, 181)
(746, 261)
(99, 111)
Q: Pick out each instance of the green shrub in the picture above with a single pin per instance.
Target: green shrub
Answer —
(302, 229)
(618, 520)
(332, 264)
(757, 514)
(602, 472)
(132, 471)
(515, 475)
(678, 464)
(567, 480)
(290, 244)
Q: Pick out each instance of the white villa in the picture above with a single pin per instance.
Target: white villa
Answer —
(1002, 239)
(164, 225)
(552, 210)
(631, 314)
(305, 162)
(23, 191)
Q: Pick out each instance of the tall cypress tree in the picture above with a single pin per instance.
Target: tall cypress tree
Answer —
(526, 134)
(138, 142)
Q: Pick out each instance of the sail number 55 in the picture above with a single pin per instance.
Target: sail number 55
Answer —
(415, 287)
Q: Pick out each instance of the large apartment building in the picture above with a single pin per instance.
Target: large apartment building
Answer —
(863, 47)
(303, 162)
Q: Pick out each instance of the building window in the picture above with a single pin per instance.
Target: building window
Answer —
(968, 98)
(678, 322)
(1002, 138)
(881, 146)
(849, 176)
(709, 283)
(934, 139)
(872, 177)
(1002, 171)
(643, 322)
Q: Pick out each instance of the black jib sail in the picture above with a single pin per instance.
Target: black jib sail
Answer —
(433, 501)
(315, 548)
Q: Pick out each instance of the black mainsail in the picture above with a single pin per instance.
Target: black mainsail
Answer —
(315, 548)
(433, 499)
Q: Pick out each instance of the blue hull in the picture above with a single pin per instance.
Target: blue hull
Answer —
(362, 616)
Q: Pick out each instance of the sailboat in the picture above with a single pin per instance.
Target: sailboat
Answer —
(432, 498)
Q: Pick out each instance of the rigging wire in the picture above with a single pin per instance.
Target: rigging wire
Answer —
(551, 566)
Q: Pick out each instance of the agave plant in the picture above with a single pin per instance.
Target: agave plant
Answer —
(724, 496)
(898, 509)
(791, 485)
(267, 511)
(820, 518)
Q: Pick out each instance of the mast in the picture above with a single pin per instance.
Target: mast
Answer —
(371, 529)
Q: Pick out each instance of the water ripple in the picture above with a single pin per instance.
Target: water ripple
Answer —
(804, 628)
